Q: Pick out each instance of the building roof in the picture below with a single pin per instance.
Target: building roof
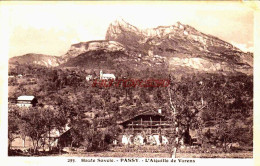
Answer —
(148, 112)
(29, 98)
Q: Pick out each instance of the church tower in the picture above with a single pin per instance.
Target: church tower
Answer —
(101, 74)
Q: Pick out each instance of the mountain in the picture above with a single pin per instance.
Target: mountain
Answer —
(179, 47)
(182, 45)
(39, 59)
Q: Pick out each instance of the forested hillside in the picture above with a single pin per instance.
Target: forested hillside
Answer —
(222, 103)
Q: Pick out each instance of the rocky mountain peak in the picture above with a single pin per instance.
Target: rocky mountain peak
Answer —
(120, 26)
(121, 31)
(121, 22)
(178, 42)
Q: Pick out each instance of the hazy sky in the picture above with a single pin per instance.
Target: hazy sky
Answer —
(52, 28)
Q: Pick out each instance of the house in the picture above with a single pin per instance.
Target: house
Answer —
(89, 77)
(65, 140)
(55, 135)
(106, 76)
(52, 138)
(148, 127)
(146, 120)
(26, 101)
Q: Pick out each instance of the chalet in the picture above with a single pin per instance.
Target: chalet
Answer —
(145, 128)
(149, 127)
(26, 101)
(106, 76)
(11, 76)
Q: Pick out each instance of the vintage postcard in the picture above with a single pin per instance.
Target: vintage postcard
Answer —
(113, 83)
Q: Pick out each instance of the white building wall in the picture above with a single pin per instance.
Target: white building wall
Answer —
(24, 105)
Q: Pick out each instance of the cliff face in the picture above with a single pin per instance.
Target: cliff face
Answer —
(177, 34)
(82, 47)
(182, 45)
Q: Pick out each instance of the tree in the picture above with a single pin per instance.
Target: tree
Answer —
(92, 135)
(13, 122)
(183, 101)
(225, 133)
(159, 97)
(106, 96)
(52, 121)
(79, 129)
(37, 123)
(32, 125)
(144, 96)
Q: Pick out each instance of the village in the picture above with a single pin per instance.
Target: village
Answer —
(146, 128)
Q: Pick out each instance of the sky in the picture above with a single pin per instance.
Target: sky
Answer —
(52, 28)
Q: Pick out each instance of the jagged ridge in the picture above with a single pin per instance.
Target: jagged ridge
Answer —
(180, 42)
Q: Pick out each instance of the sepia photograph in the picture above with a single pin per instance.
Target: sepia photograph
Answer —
(130, 82)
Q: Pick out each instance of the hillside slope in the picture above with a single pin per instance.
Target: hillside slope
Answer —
(39, 59)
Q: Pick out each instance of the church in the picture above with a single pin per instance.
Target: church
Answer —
(107, 76)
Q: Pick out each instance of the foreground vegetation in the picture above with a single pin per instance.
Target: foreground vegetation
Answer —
(219, 107)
